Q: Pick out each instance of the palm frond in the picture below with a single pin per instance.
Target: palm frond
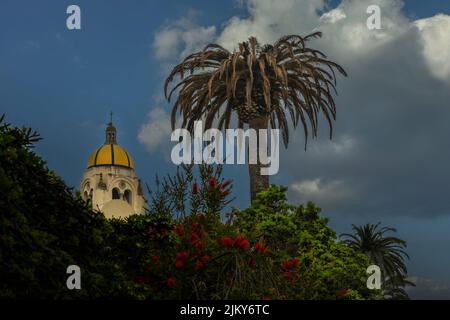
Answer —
(286, 80)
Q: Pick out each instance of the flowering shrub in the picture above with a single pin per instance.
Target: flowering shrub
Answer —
(184, 248)
(271, 250)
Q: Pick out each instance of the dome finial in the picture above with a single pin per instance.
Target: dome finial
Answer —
(110, 132)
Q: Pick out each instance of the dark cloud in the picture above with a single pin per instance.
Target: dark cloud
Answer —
(396, 114)
(428, 289)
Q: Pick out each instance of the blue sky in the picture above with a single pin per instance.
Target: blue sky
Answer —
(64, 84)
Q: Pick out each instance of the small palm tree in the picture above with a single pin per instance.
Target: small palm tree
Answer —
(384, 251)
(262, 84)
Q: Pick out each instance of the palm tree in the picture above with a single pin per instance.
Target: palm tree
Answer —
(262, 84)
(384, 251)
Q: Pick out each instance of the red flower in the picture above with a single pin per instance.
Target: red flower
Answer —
(147, 269)
(139, 279)
(212, 182)
(243, 244)
(342, 292)
(205, 258)
(182, 256)
(194, 226)
(154, 259)
(288, 276)
(200, 245)
(193, 237)
(258, 247)
(227, 242)
(295, 262)
(179, 264)
(171, 281)
(195, 188)
(264, 250)
(179, 230)
(286, 264)
(237, 241)
(199, 264)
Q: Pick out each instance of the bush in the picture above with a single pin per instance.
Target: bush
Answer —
(190, 245)
(270, 250)
(44, 228)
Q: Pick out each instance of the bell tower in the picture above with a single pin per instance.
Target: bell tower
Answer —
(111, 132)
(110, 181)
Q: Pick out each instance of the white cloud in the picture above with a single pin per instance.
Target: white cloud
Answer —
(327, 193)
(156, 131)
(341, 146)
(166, 43)
(177, 39)
(428, 289)
(269, 19)
(391, 106)
(345, 27)
(333, 16)
(171, 43)
(435, 35)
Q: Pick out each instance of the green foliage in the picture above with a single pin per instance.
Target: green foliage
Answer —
(298, 231)
(387, 252)
(186, 192)
(44, 229)
(182, 248)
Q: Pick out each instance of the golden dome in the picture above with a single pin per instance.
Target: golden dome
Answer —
(110, 155)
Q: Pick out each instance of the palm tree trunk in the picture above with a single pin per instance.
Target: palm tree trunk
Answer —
(258, 182)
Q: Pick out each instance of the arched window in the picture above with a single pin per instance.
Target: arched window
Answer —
(85, 196)
(127, 196)
(115, 193)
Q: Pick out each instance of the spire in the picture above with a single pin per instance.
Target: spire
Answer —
(111, 132)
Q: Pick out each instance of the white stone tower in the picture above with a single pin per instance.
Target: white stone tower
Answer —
(110, 180)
